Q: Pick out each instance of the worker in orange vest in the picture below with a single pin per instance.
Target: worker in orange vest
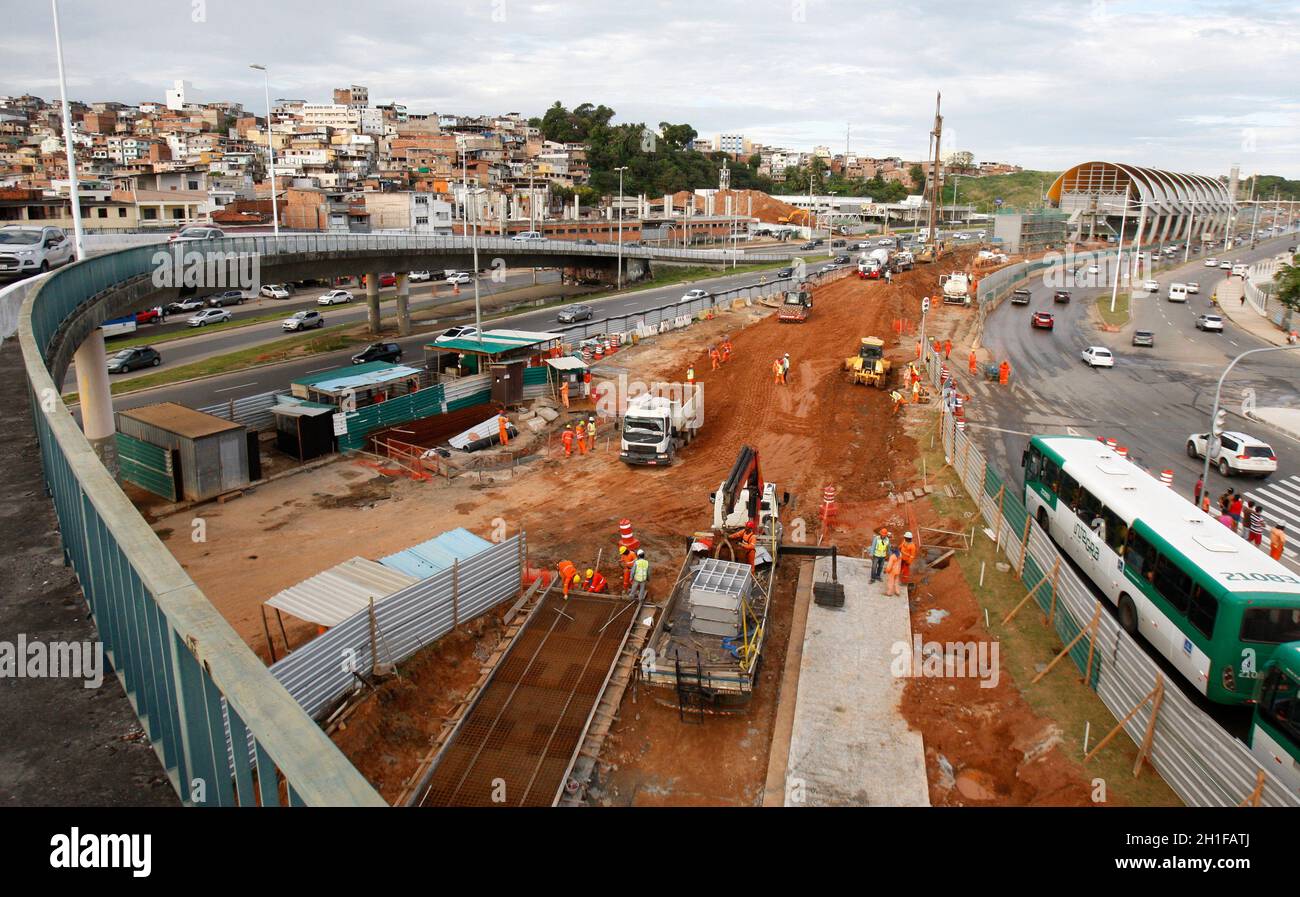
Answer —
(564, 393)
(595, 583)
(568, 440)
(501, 429)
(714, 357)
(1004, 372)
(973, 362)
(778, 373)
(628, 559)
(726, 351)
(748, 541)
(907, 551)
(586, 383)
(568, 576)
(591, 432)
(947, 349)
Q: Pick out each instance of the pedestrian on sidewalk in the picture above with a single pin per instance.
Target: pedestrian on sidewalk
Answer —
(1205, 501)
(879, 552)
(1256, 535)
(1196, 493)
(1277, 541)
(893, 568)
(1234, 511)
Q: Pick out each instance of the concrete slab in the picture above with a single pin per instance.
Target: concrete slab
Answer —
(850, 745)
(1285, 419)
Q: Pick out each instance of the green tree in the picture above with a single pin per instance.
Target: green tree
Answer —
(917, 174)
(1288, 285)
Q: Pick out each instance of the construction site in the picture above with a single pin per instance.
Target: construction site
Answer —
(726, 680)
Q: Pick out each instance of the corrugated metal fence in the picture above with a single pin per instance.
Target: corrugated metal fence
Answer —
(322, 671)
(1201, 762)
(253, 412)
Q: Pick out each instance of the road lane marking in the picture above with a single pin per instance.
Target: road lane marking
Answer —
(1001, 430)
(241, 386)
(318, 370)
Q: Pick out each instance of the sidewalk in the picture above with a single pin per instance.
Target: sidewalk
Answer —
(1242, 314)
(1285, 419)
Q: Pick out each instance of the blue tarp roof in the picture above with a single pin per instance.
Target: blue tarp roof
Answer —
(438, 553)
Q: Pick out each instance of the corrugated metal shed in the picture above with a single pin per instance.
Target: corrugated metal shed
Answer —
(437, 554)
(567, 363)
(331, 596)
(334, 373)
(213, 452)
(180, 420)
(348, 378)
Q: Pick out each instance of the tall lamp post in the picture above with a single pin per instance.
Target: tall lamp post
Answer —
(619, 276)
(1214, 415)
(270, 145)
(1119, 254)
(478, 312)
(74, 191)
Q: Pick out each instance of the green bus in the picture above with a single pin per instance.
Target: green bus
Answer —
(1213, 605)
(1275, 735)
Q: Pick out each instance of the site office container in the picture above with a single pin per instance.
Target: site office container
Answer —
(213, 452)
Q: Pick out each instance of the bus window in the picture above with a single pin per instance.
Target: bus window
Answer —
(1203, 610)
(1140, 556)
(1033, 465)
(1277, 703)
(1069, 492)
(1051, 475)
(1274, 625)
(1173, 584)
(1116, 530)
(1089, 507)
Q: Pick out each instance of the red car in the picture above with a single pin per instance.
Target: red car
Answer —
(1043, 320)
(387, 280)
(149, 316)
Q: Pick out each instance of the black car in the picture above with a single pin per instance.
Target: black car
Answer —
(133, 358)
(586, 241)
(378, 352)
(229, 297)
(1020, 297)
(1061, 296)
(811, 244)
(841, 259)
(785, 272)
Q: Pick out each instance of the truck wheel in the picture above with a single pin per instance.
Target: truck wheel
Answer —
(1191, 449)
(1128, 615)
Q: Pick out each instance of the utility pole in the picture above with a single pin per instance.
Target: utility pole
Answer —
(935, 195)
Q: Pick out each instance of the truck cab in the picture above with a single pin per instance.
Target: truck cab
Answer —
(956, 288)
(654, 427)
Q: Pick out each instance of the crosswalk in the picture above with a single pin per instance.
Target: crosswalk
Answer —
(1280, 500)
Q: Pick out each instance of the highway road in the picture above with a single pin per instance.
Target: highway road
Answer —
(1153, 398)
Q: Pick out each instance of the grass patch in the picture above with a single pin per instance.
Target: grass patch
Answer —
(1120, 316)
(1028, 644)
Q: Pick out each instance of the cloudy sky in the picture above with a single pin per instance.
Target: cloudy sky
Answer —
(1189, 85)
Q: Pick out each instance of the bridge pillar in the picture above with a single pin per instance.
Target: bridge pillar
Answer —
(96, 399)
(372, 300)
(404, 303)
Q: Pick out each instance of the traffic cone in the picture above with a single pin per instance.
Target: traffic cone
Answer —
(828, 504)
(1122, 452)
(1167, 478)
(626, 537)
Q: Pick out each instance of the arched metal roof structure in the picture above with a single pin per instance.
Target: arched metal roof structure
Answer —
(1163, 203)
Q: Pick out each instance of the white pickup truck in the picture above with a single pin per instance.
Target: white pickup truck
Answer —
(654, 427)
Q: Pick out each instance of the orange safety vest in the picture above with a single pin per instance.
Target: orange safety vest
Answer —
(568, 440)
(567, 572)
(907, 551)
(597, 583)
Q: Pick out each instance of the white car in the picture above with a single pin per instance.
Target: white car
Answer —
(1225, 265)
(33, 248)
(528, 236)
(460, 277)
(1234, 453)
(1209, 322)
(461, 332)
(1240, 270)
(1193, 287)
(1211, 263)
(1151, 286)
(1177, 292)
(209, 316)
(420, 276)
(695, 294)
(1098, 357)
(1094, 270)
(274, 291)
(335, 297)
(963, 236)
(884, 242)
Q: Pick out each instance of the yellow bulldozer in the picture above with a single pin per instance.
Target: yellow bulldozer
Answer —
(870, 367)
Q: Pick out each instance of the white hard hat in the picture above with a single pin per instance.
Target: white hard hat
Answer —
(907, 535)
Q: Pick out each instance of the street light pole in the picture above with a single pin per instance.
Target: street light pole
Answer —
(1119, 256)
(270, 145)
(1214, 415)
(478, 311)
(1191, 230)
(619, 275)
(74, 190)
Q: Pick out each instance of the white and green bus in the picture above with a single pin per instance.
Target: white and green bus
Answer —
(1275, 736)
(1212, 604)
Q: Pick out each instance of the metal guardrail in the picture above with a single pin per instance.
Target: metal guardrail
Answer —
(1200, 761)
(188, 675)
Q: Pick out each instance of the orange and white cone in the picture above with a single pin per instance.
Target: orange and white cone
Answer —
(625, 536)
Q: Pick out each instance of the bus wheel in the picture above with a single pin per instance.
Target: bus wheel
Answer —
(1042, 522)
(1128, 615)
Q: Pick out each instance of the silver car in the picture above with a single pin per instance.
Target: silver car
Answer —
(575, 313)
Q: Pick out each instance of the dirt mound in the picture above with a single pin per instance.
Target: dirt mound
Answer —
(743, 202)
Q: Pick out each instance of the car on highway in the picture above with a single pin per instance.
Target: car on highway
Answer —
(180, 306)
(1043, 320)
(462, 331)
(1209, 322)
(209, 316)
(420, 276)
(275, 291)
(335, 297)
(809, 245)
(196, 232)
(1225, 265)
(695, 294)
(575, 313)
(885, 242)
(1061, 296)
(1151, 286)
(585, 241)
(1240, 270)
(841, 259)
(303, 320)
(1021, 297)
(1094, 270)
(785, 272)
(149, 316)
(963, 237)
(30, 249)
(460, 277)
(1097, 357)
(391, 352)
(1211, 263)
(227, 297)
(1193, 287)
(1177, 292)
(1144, 338)
(1234, 453)
(133, 358)
(387, 280)
(528, 236)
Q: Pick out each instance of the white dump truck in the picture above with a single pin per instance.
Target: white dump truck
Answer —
(956, 288)
(654, 427)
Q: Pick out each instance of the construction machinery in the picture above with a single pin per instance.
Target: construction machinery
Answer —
(707, 642)
(656, 426)
(956, 288)
(798, 302)
(870, 367)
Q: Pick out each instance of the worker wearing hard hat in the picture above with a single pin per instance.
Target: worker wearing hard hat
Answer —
(595, 582)
(907, 551)
(591, 432)
(640, 576)
(748, 536)
(568, 440)
(879, 551)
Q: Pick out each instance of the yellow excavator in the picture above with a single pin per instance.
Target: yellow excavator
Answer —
(870, 367)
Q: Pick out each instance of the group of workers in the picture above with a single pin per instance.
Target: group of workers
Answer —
(583, 434)
(636, 575)
(893, 561)
(780, 369)
(720, 354)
